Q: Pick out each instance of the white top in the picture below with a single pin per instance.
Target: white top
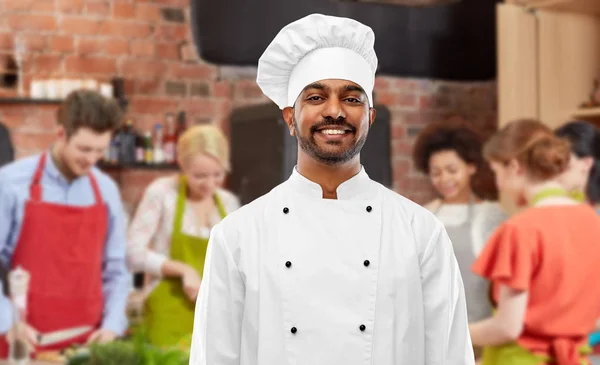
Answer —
(295, 288)
(150, 230)
(487, 216)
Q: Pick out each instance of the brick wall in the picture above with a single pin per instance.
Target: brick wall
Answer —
(149, 45)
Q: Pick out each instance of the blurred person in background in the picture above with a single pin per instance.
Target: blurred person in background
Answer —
(62, 221)
(582, 177)
(7, 151)
(168, 236)
(449, 152)
(542, 260)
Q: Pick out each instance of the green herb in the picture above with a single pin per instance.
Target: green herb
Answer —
(133, 351)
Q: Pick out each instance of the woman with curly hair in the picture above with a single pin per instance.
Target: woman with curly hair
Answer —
(449, 152)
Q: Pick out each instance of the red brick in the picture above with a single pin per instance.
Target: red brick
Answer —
(147, 12)
(176, 3)
(402, 148)
(169, 51)
(125, 29)
(381, 84)
(148, 87)
(35, 42)
(199, 71)
(406, 100)
(81, 26)
(188, 52)
(401, 168)
(247, 89)
(33, 141)
(222, 89)
(90, 65)
(36, 6)
(62, 43)
(171, 32)
(199, 107)
(385, 97)
(143, 68)
(48, 64)
(144, 48)
(123, 10)
(153, 105)
(435, 101)
(114, 46)
(405, 84)
(101, 8)
(70, 6)
(398, 130)
(89, 46)
(31, 22)
(6, 41)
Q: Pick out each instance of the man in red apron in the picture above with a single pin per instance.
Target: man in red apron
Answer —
(62, 221)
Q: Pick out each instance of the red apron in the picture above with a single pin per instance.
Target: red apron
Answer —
(62, 248)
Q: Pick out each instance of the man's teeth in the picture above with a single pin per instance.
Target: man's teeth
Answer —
(332, 131)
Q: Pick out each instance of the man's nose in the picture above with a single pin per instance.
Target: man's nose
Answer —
(333, 109)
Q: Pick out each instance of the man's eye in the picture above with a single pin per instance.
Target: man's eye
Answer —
(314, 98)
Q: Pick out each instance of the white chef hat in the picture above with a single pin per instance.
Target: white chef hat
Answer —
(317, 47)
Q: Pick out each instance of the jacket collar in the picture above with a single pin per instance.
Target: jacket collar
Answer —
(360, 186)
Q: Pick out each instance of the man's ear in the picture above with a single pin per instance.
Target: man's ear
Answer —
(288, 116)
(372, 115)
(61, 133)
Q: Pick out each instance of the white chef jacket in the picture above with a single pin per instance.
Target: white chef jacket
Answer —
(369, 278)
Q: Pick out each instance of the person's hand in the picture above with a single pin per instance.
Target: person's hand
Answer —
(27, 334)
(191, 283)
(101, 336)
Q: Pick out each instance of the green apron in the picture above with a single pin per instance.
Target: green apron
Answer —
(513, 353)
(169, 314)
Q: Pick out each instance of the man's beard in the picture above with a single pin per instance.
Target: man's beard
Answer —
(309, 145)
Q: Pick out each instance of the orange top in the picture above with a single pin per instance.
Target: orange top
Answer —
(552, 252)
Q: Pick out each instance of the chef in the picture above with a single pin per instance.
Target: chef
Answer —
(62, 222)
(330, 267)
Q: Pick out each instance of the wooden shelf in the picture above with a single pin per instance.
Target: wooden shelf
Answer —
(10, 100)
(136, 166)
(29, 101)
(586, 113)
(570, 6)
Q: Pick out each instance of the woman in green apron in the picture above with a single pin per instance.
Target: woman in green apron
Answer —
(540, 260)
(168, 236)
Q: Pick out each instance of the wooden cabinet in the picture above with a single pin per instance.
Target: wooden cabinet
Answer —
(548, 59)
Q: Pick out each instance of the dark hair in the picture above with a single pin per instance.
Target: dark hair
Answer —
(458, 136)
(89, 109)
(585, 142)
(534, 145)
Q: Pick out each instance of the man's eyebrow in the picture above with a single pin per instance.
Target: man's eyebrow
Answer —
(355, 88)
(315, 85)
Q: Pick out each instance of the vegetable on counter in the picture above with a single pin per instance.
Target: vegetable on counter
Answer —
(134, 351)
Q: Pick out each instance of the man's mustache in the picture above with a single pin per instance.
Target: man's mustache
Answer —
(339, 122)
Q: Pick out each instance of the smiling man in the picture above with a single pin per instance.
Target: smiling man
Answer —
(61, 219)
(329, 267)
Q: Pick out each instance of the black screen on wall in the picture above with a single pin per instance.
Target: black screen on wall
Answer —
(452, 42)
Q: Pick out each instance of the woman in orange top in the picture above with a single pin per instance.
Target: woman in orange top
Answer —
(541, 260)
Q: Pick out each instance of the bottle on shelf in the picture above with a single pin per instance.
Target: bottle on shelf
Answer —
(180, 129)
(126, 140)
(148, 149)
(140, 149)
(170, 139)
(157, 143)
